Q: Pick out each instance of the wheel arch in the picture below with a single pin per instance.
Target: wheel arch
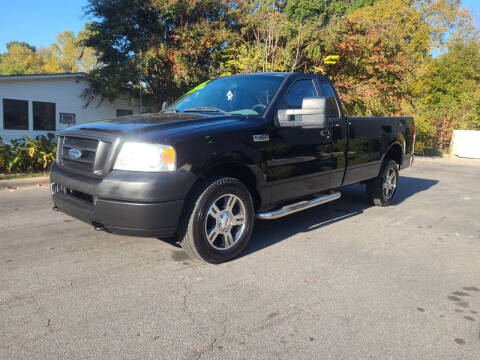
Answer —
(240, 171)
(236, 166)
(394, 152)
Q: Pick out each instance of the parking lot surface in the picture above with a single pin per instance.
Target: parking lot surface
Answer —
(341, 281)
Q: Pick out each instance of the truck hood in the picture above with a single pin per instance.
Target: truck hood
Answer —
(167, 123)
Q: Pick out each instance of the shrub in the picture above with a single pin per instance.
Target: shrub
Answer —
(27, 155)
(419, 146)
(432, 151)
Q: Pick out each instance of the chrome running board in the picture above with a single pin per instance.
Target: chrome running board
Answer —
(302, 205)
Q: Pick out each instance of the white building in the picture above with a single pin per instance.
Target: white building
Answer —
(39, 104)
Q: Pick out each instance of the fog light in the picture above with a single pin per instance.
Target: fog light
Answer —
(56, 188)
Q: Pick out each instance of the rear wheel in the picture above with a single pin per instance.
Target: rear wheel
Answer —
(382, 190)
(219, 221)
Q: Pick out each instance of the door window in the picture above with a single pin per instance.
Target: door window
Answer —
(326, 90)
(293, 99)
(300, 90)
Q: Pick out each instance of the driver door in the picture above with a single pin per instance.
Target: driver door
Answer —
(299, 159)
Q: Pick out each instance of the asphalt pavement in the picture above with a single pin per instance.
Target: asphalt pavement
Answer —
(345, 280)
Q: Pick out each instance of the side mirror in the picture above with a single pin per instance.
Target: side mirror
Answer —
(165, 104)
(312, 113)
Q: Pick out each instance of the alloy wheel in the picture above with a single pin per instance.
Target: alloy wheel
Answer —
(225, 222)
(389, 183)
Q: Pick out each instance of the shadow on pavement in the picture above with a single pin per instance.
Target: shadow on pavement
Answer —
(352, 203)
(409, 186)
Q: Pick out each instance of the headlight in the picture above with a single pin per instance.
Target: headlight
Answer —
(145, 157)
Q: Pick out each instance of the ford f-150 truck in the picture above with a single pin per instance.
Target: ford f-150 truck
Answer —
(230, 150)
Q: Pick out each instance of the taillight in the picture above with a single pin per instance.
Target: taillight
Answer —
(413, 135)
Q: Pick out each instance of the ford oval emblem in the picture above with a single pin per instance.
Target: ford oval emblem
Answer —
(75, 153)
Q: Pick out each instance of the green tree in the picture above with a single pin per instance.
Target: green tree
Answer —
(66, 52)
(263, 42)
(20, 58)
(322, 10)
(275, 34)
(424, 24)
(447, 93)
(69, 55)
(372, 72)
(165, 47)
(87, 58)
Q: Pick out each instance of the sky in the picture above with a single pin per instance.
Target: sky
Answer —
(39, 21)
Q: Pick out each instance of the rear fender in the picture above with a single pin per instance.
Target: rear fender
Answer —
(391, 149)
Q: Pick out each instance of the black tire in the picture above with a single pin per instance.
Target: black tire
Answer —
(376, 193)
(194, 230)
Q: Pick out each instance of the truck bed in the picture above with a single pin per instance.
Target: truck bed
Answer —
(369, 138)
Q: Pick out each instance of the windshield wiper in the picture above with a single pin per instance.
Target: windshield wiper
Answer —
(207, 110)
(169, 110)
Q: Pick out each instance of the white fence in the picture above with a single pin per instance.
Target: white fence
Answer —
(466, 143)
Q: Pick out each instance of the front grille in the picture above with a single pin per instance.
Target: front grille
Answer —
(80, 142)
(76, 165)
(84, 155)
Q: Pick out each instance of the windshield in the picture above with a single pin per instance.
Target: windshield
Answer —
(241, 94)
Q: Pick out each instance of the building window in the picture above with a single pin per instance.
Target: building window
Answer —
(44, 116)
(15, 114)
(121, 112)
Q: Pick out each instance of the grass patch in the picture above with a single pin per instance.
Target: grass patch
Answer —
(23, 176)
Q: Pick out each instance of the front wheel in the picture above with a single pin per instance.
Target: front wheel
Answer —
(219, 221)
(382, 190)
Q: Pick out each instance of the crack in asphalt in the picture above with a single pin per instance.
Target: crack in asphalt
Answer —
(211, 347)
(185, 309)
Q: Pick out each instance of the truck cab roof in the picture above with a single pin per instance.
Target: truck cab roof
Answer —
(283, 74)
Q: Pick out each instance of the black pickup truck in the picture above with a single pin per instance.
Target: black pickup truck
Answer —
(230, 150)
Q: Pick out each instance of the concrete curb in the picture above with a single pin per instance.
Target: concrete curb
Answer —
(15, 184)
